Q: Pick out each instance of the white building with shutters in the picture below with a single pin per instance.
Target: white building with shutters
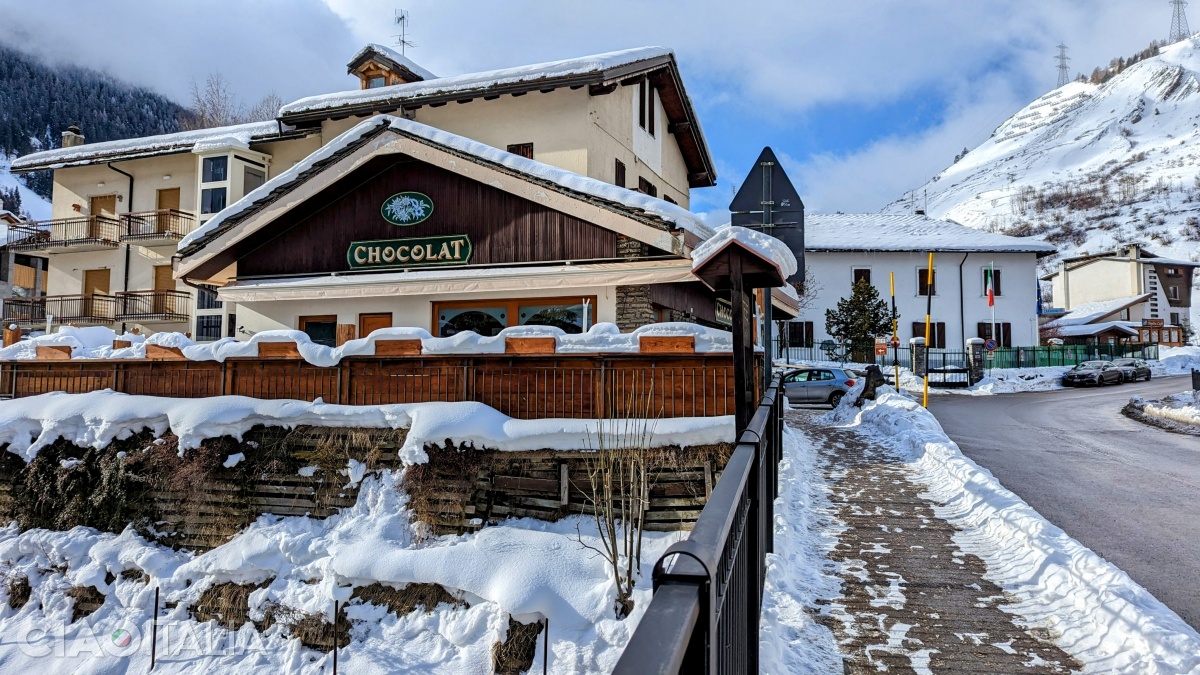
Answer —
(841, 248)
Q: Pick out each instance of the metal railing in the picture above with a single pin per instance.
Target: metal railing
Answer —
(104, 231)
(163, 224)
(1004, 357)
(704, 616)
(154, 305)
(24, 311)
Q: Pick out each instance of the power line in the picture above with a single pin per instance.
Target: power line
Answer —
(1064, 70)
(1179, 24)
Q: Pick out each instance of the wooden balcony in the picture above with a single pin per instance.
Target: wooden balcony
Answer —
(66, 235)
(78, 309)
(157, 306)
(156, 228)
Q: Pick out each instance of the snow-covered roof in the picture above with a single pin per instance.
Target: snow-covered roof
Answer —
(623, 198)
(902, 232)
(480, 81)
(1094, 311)
(1090, 329)
(766, 246)
(146, 146)
(392, 55)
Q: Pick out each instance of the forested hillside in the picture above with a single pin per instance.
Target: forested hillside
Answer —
(38, 101)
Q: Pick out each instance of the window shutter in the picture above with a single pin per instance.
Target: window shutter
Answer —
(642, 104)
(619, 174)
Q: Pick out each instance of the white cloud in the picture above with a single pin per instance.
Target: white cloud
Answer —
(767, 63)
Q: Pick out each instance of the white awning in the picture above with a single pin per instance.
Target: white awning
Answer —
(459, 280)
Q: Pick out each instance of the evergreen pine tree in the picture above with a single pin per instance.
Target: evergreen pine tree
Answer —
(860, 318)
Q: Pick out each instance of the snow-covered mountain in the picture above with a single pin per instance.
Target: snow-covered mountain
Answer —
(1088, 167)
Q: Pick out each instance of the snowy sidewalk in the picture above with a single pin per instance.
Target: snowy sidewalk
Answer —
(910, 599)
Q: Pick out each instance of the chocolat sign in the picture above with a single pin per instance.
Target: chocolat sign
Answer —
(454, 249)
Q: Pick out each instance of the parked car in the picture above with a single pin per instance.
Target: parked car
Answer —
(818, 385)
(1098, 373)
(1133, 369)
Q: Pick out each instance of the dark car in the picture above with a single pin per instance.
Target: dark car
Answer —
(1098, 373)
(818, 385)
(1133, 369)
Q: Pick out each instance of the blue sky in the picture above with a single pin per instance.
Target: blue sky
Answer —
(862, 101)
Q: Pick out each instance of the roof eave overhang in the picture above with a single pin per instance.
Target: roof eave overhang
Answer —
(160, 152)
(700, 174)
(387, 140)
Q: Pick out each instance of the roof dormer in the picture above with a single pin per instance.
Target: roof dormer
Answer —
(379, 66)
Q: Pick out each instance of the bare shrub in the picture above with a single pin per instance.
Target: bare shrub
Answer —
(87, 601)
(1191, 229)
(17, 588)
(515, 654)
(402, 601)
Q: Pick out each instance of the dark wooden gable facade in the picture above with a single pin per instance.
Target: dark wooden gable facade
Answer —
(503, 228)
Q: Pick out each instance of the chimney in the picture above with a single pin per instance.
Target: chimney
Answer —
(72, 137)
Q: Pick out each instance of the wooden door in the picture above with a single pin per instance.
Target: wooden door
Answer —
(367, 323)
(95, 283)
(163, 281)
(101, 210)
(168, 199)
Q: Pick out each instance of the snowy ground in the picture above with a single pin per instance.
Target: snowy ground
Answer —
(1094, 611)
(529, 569)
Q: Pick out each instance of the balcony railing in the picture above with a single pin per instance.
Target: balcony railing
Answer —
(149, 227)
(172, 306)
(81, 309)
(96, 233)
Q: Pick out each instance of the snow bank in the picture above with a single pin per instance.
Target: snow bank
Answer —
(96, 343)
(764, 245)
(1094, 609)
(97, 418)
(1179, 360)
(530, 569)
(1183, 408)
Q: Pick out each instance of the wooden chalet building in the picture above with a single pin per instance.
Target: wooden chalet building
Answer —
(596, 215)
(400, 224)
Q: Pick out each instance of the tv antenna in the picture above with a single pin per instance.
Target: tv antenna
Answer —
(402, 39)
(1179, 24)
(1064, 71)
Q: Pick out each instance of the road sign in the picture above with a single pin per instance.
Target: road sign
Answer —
(894, 342)
(768, 201)
(990, 345)
(881, 350)
(991, 356)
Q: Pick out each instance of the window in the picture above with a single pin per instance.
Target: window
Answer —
(937, 333)
(212, 200)
(231, 329)
(1003, 330)
(642, 103)
(254, 179)
(995, 281)
(1174, 318)
(488, 318)
(668, 199)
(650, 110)
(1172, 272)
(800, 333)
(619, 174)
(523, 149)
(861, 274)
(1172, 292)
(646, 187)
(206, 297)
(320, 329)
(216, 169)
(376, 81)
(208, 328)
(923, 285)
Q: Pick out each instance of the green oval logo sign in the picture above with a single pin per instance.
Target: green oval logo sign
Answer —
(407, 208)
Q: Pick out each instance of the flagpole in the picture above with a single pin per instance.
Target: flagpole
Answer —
(928, 312)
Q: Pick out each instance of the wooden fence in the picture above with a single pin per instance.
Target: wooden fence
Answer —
(524, 387)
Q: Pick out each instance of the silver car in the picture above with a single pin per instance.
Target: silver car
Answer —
(818, 385)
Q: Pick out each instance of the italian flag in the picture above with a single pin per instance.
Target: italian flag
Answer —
(991, 288)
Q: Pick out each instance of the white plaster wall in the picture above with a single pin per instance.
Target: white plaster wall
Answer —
(414, 310)
(1017, 305)
(1100, 280)
(615, 134)
(77, 185)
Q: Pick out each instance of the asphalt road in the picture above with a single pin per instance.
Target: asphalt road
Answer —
(1128, 491)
